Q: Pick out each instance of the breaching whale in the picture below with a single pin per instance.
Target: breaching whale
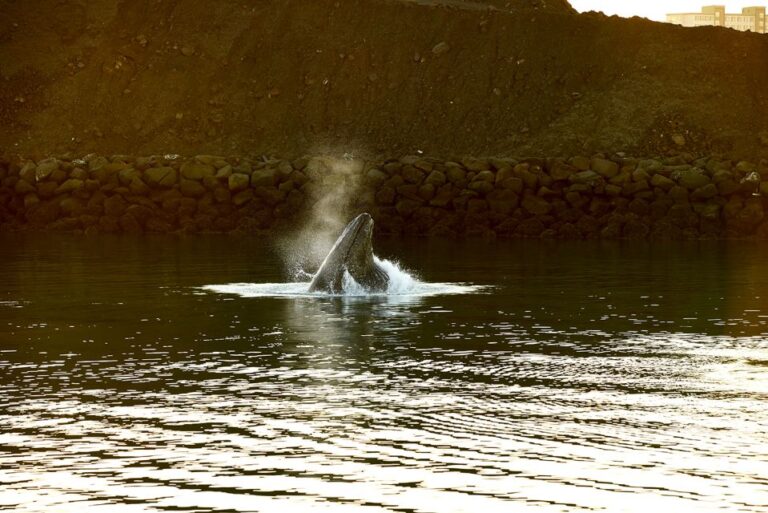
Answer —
(353, 253)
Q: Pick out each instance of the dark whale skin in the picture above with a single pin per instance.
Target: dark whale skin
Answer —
(353, 253)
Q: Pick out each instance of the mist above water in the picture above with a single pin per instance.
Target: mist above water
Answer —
(332, 207)
(302, 251)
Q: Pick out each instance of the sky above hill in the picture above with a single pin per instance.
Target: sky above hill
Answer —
(655, 9)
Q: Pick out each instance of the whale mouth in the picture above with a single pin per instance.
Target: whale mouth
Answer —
(356, 226)
(352, 253)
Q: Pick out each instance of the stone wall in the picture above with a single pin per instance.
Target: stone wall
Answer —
(608, 197)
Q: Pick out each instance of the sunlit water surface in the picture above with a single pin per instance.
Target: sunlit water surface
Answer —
(193, 375)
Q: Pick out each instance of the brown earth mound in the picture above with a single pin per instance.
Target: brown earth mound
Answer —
(371, 76)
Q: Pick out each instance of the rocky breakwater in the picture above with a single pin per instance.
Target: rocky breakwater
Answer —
(607, 197)
(575, 198)
(149, 194)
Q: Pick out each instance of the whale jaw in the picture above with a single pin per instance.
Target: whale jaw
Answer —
(352, 253)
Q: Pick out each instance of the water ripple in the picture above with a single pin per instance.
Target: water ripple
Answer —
(593, 391)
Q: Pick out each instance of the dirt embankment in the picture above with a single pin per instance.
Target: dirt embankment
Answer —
(372, 77)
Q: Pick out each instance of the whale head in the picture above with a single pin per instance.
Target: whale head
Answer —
(353, 253)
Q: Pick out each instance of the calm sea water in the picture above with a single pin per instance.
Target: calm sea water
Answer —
(582, 377)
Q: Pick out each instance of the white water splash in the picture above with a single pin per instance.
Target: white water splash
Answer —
(401, 285)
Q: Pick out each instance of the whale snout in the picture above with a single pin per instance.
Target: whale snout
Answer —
(363, 218)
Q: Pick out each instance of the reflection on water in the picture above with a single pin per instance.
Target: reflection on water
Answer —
(589, 377)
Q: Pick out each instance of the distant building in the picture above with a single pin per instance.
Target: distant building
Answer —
(751, 18)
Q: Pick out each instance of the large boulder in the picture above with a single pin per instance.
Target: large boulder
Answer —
(160, 176)
(195, 170)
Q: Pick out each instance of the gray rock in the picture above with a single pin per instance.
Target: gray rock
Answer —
(536, 205)
(79, 173)
(523, 172)
(285, 168)
(47, 189)
(503, 202)
(640, 174)
(224, 172)
(678, 194)
(96, 163)
(316, 168)
(476, 206)
(427, 191)
(222, 195)
(622, 178)
(410, 191)
(242, 197)
(441, 48)
(24, 187)
(728, 187)
(160, 176)
(580, 163)
(424, 165)
(651, 166)
(576, 199)
(476, 165)
(742, 167)
(662, 181)
(436, 178)
(514, 184)
(191, 188)
(238, 181)
(137, 186)
(286, 186)
(28, 172)
(385, 196)
(531, 227)
(604, 167)
(481, 186)
(691, 179)
(58, 175)
(561, 171)
(30, 200)
(73, 184)
(485, 176)
(196, 170)
(43, 213)
(392, 168)
(705, 192)
(721, 175)
(265, 177)
(545, 192)
(505, 173)
(126, 175)
(584, 177)
(443, 196)
(633, 188)
(456, 174)
(115, 206)
(45, 168)
(210, 160)
(709, 211)
(376, 176)
(413, 174)
(405, 207)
